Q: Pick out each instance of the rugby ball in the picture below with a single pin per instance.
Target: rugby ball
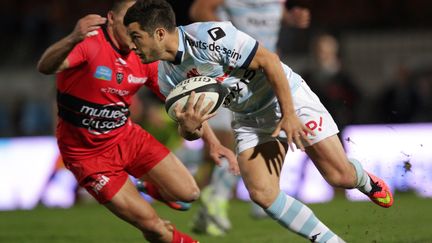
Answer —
(208, 86)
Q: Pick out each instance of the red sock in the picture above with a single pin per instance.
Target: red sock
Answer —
(153, 191)
(179, 237)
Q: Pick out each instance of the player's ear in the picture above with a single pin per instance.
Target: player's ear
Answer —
(110, 17)
(160, 34)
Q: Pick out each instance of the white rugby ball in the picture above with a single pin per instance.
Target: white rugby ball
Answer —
(208, 86)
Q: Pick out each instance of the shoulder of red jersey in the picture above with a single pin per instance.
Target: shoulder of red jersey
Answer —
(94, 38)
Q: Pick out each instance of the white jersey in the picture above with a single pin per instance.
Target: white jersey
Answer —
(261, 19)
(219, 50)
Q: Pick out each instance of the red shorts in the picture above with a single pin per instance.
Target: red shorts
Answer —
(103, 175)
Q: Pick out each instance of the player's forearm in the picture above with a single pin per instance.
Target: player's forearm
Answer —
(205, 15)
(277, 78)
(270, 63)
(297, 17)
(204, 10)
(54, 57)
(208, 135)
(287, 18)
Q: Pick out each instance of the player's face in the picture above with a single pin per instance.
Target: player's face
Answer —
(119, 30)
(145, 46)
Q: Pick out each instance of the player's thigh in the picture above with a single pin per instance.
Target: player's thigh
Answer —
(171, 176)
(260, 168)
(329, 157)
(128, 205)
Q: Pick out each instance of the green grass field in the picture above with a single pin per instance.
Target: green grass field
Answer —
(409, 220)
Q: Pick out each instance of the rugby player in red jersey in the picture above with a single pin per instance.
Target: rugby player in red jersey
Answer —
(97, 75)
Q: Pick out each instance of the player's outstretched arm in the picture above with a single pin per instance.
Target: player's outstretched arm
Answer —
(297, 17)
(54, 58)
(218, 150)
(204, 10)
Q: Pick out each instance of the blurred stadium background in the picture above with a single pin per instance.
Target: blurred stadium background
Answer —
(381, 97)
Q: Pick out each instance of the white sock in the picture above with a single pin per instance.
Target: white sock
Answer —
(297, 217)
(363, 179)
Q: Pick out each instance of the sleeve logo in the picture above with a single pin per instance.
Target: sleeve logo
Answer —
(103, 72)
(216, 33)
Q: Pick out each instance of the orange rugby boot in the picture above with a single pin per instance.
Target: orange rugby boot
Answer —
(380, 193)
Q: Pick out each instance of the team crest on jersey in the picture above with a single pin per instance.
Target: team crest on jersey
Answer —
(103, 72)
(119, 77)
(216, 33)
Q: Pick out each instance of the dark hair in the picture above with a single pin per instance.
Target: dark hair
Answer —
(151, 14)
(117, 5)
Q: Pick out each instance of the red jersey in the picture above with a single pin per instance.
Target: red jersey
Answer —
(94, 94)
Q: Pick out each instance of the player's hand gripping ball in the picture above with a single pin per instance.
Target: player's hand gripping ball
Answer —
(213, 91)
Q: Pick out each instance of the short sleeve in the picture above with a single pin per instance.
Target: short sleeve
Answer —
(238, 48)
(78, 55)
(166, 83)
(223, 43)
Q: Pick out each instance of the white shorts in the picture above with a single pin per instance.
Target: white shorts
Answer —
(222, 120)
(251, 130)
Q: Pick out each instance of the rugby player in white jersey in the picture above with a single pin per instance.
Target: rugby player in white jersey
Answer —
(261, 19)
(274, 110)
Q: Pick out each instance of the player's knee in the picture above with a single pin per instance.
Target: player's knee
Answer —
(263, 197)
(190, 194)
(194, 194)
